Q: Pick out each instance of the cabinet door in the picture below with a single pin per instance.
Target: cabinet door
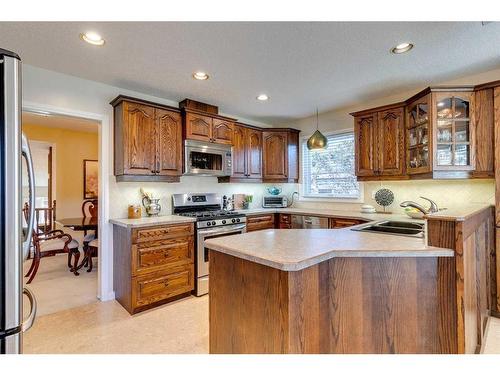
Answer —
(484, 129)
(391, 142)
(169, 154)
(365, 131)
(239, 152)
(139, 139)
(254, 153)
(198, 127)
(222, 131)
(454, 131)
(275, 155)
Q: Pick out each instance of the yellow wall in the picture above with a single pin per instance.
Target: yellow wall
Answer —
(71, 148)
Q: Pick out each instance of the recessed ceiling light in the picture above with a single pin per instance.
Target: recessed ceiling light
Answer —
(441, 104)
(402, 48)
(201, 76)
(92, 38)
(262, 97)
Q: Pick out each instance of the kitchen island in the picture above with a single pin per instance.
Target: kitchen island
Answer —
(342, 291)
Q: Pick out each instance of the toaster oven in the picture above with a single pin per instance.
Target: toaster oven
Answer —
(275, 201)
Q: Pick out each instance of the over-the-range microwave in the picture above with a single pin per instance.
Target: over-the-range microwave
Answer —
(207, 159)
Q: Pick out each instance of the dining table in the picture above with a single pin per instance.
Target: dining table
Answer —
(81, 224)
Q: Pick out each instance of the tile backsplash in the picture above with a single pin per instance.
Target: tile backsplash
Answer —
(447, 193)
(125, 193)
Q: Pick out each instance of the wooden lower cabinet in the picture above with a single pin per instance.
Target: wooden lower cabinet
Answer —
(163, 285)
(260, 222)
(152, 265)
(344, 223)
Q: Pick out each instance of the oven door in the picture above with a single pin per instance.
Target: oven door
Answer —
(202, 253)
(207, 160)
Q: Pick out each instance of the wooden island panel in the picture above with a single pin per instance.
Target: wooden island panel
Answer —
(343, 305)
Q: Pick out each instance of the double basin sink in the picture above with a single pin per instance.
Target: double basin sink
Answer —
(400, 228)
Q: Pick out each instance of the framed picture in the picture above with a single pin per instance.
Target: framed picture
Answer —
(90, 179)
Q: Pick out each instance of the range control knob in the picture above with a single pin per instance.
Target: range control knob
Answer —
(209, 223)
(223, 221)
(233, 220)
(237, 220)
(213, 222)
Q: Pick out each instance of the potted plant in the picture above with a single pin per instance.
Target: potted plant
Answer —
(247, 201)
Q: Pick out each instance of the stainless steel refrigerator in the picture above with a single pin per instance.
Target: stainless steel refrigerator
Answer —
(14, 239)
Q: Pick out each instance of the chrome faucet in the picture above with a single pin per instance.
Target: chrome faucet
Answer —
(433, 208)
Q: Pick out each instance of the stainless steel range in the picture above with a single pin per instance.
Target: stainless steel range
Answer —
(211, 222)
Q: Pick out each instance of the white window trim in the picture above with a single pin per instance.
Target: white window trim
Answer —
(310, 198)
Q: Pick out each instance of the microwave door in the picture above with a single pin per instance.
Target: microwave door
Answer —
(208, 162)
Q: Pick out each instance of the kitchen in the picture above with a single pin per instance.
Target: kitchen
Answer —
(197, 162)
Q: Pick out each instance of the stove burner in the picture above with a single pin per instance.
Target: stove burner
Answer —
(202, 215)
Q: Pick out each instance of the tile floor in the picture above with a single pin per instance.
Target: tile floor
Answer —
(106, 327)
(178, 327)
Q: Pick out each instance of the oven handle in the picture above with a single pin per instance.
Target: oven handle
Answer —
(217, 231)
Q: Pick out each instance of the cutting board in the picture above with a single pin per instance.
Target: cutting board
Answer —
(238, 200)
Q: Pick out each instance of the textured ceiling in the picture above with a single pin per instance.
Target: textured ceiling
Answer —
(300, 65)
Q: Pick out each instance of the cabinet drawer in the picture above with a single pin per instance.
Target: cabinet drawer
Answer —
(158, 286)
(343, 223)
(260, 222)
(161, 232)
(160, 255)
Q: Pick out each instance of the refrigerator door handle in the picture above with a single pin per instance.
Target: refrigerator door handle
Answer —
(25, 150)
(28, 323)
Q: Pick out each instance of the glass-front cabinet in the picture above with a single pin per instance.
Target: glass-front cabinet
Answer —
(419, 140)
(439, 133)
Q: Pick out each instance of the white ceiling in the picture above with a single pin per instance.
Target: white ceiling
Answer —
(61, 122)
(300, 65)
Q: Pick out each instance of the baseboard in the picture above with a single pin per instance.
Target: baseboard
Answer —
(107, 297)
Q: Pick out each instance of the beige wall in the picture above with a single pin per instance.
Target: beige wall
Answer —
(71, 148)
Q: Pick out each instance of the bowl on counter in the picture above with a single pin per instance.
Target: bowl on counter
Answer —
(414, 213)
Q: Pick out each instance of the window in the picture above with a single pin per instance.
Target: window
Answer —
(329, 173)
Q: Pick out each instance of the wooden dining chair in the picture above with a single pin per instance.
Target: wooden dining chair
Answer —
(89, 209)
(92, 252)
(49, 244)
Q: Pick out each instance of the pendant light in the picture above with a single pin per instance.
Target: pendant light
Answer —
(317, 141)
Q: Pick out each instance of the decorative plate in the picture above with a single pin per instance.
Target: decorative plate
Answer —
(384, 197)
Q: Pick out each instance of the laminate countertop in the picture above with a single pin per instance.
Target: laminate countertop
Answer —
(296, 249)
(152, 221)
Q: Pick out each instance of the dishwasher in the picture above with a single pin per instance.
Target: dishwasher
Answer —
(309, 222)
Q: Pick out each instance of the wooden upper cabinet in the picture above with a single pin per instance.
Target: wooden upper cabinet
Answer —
(365, 134)
(169, 156)
(275, 155)
(254, 153)
(280, 152)
(147, 141)
(484, 132)
(139, 139)
(391, 145)
(198, 127)
(222, 131)
(380, 143)
(207, 128)
(239, 152)
(247, 153)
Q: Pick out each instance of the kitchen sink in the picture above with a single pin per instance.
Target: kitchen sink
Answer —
(400, 228)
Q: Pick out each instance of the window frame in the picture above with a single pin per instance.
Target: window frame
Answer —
(325, 198)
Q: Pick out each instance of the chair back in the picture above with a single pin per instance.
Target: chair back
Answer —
(45, 218)
(90, 208)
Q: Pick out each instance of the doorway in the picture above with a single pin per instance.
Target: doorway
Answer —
(65, 152)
